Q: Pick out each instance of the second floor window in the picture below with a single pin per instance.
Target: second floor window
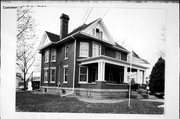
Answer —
(118, 55)
(66, 51)
(84, 49)
(96, 49)
(47, 56)
(53, 55)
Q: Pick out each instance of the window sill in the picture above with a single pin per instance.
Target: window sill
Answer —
(46, 62)
(53, 60)
(65, 82)
(52, 81)
(45, 82)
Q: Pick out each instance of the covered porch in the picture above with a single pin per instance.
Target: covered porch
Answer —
(110, 73)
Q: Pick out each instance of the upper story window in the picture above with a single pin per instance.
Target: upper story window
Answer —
(66, 52)
(84, 49)
(96, 49)
(98, 33)
(53, 55)
(46, 56)
(118, 55)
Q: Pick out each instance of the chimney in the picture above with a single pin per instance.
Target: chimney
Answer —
(64, 20)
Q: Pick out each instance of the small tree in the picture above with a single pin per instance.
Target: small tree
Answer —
(26, 36)
(157, 76)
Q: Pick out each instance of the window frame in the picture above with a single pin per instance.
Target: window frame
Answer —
(83, 74)
(99, 49)
(52, 68)
(46, 56)
(55, 54)
(80, 49)
(64, 68)
(117, 55)
(66, 52)
(46, 70)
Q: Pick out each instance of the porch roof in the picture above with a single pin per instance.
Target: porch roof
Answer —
(109, 60)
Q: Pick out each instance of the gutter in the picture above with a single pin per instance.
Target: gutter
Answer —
(74, 68)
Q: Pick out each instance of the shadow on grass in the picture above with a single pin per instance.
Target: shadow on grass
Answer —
(30, 102)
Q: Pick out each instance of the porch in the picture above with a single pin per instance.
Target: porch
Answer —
(103, 72)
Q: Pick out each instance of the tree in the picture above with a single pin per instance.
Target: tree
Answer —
(26, 36)
(157, 76)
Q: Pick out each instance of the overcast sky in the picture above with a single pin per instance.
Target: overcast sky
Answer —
(136, 29)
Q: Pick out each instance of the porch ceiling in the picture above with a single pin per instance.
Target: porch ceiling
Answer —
(109, 60)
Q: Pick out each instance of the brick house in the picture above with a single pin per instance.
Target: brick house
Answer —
(86, 61)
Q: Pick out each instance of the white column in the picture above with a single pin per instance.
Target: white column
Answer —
(138, 77)
(125, 75)
(144, 77)
(101, 71)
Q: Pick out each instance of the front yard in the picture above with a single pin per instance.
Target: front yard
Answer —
(30, 102)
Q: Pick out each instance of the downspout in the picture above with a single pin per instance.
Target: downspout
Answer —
(74, 68)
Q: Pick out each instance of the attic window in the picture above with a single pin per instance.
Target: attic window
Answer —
(98, 33)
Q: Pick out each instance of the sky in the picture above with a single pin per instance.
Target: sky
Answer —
(136, 29)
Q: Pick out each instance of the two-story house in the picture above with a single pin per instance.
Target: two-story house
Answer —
(86, 61)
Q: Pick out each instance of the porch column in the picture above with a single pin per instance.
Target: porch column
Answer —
(144, 77)
(101, 71)
(138, 78)
(125, 74)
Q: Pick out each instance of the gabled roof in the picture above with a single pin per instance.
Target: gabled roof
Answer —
(82, 27)
(53, 37)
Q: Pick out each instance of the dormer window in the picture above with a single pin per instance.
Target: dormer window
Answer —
(98, 33)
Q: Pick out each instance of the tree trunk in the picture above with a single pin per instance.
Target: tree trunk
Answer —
(24, 81)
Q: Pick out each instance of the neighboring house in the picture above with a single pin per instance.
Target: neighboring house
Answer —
(86, 60)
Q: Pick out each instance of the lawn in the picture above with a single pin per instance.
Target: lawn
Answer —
(29, 102)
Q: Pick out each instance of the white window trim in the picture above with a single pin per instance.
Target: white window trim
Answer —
(118, 54)
(55, 55)
(52, 68)
(45, 69)
(80, 50)
(66, 57)
(65, 67)
(95, 43)
(86, 75)
(45, 56)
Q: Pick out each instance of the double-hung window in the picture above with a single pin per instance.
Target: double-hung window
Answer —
(83, 74)
(65, 74)
(45, 75)
(96, 49)
(118, 55)
(84, 49)
(66, 52)
(53, 55)
(46, 56)
(52, 74)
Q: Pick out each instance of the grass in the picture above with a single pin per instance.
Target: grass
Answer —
(29, 102)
